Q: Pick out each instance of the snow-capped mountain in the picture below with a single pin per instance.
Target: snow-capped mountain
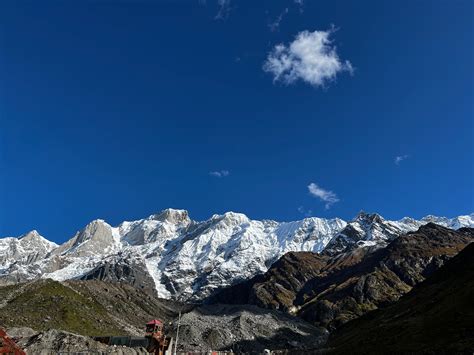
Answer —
(25, 249)
(188, 260)
(371, 229)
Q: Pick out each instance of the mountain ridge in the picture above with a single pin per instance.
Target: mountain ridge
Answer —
(189, 260)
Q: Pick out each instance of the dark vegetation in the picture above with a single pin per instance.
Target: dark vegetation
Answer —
(437, 316)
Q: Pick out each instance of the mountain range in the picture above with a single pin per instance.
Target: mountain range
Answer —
(172, 256)
(331, 290)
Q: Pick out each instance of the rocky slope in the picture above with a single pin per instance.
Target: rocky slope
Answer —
(96, 308)
(279, 287)
(172, 256)
(436, 316)
(53, 342)
(82, 307)
(246, 329)
(329, 291)
(381, 277)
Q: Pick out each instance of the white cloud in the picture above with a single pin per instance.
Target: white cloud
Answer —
(324, 195)
(304, 211)
(224, 9)
(311, 57)
(399, 158)
(220, 173)
(275, 25)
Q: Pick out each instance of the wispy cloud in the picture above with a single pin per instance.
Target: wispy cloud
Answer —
(304, 211)
(224, 9)
(275, 24)
(300, 4)
(399, 158)
(220, 173)
(311, 57)
(326, 196)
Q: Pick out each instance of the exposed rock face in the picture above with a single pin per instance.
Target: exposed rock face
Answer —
(190, 260)
(435, 317)
(128, 270)
(97, 238)
(330, 291)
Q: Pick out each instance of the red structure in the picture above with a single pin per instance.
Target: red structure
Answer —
(8, 346)
(159, 343)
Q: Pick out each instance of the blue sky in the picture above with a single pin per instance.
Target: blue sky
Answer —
(118, 109)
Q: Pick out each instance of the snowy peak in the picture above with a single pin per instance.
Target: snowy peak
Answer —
(372, 226)
(96, 238)
(364, 218)
(434, 219)
(25, 249)
(172, 216)
(230, 219)
(157, 228)
(368, 229)
(453, 223)
(31, 235)
(34, 240)
(462, 221)
(371, 229)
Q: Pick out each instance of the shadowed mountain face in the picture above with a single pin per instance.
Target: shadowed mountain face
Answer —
(381, 277)
(437, 316)
(330, 291)
(124, 270)
(279, 287)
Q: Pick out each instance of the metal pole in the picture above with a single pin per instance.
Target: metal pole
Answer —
(177, 334)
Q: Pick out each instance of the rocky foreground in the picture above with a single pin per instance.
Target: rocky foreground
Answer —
(66, 314)
(54, 341)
